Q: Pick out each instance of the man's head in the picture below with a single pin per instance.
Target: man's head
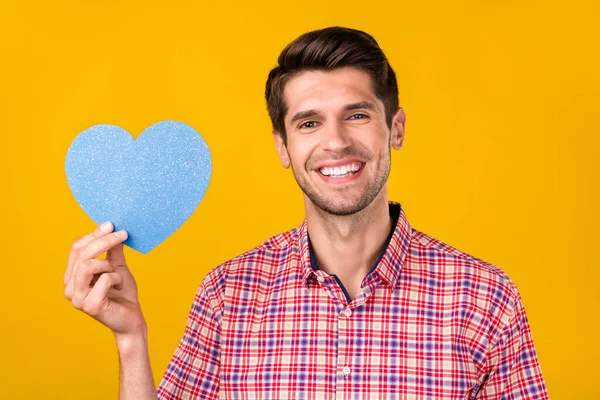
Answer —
(333, 102)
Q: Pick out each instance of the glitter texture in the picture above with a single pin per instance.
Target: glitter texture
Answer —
(149, 186)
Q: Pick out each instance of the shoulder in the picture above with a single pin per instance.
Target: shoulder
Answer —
(483, 297)
(267, 257)
(485, 292)
(452, 263)
(260, 264)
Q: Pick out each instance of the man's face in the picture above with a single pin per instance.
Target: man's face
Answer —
(338, 143)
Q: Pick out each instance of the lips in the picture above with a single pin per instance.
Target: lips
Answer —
(341, 172)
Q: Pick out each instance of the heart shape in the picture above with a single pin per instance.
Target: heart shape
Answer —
(149, 186)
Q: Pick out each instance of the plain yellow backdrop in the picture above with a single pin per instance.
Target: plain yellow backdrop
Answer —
(500, 159)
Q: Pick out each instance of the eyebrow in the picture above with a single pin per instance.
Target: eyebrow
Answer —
(348, 107)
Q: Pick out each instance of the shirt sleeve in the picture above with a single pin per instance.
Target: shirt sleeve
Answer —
(193, 372)
(513, 369)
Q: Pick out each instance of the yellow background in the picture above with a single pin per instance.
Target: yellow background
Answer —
(500, 158)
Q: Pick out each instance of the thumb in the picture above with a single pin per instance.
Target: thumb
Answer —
(115, 255)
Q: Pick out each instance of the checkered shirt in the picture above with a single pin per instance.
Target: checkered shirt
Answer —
(430, 322)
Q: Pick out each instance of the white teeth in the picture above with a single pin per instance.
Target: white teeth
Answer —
(340, 172)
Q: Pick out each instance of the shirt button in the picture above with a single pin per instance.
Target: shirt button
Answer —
(347, 312)
(346, 370)
(320, 279)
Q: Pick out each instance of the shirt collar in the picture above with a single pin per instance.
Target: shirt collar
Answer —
(392, 260)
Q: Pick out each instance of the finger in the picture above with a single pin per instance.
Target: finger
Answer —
(116, 256)
(79, 287)
(101, 230)
(102, 245)
(97, 300)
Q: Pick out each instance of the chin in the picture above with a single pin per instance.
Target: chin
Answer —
(341, 207)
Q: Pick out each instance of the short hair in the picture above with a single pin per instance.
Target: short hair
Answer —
(328, 49)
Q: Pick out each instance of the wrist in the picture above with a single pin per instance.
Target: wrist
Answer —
(132, 344)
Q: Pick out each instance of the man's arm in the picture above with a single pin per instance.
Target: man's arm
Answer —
(512, 366)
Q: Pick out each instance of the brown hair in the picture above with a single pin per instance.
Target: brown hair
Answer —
(328, 49)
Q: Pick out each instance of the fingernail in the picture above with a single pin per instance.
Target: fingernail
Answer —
(105, 227)
(122, 234)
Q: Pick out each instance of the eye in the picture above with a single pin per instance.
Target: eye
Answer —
(362, 116)
(308, 124)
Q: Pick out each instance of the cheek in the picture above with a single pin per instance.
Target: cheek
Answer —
(380, 151)
(382, 144)
(300, 153)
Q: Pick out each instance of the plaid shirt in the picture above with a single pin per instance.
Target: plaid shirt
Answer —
(431, 322)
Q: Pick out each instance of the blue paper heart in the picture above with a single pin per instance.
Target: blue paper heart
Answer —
(149, 186)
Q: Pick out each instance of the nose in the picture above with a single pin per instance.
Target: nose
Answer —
(334, 137)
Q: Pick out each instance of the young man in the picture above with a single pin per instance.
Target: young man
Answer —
(354, 303)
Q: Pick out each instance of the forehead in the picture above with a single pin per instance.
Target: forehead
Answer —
(321, 90)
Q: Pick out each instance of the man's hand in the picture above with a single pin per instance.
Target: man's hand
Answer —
(104, 289)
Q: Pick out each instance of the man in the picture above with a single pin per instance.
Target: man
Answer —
(354, 303)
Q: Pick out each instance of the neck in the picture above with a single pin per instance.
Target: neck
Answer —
(349, 245)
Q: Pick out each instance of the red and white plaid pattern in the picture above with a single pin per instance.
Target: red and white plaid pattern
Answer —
(430, 323)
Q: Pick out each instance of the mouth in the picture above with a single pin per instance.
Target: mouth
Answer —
(342, 173)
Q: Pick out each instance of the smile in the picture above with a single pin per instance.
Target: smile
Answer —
(342, 171)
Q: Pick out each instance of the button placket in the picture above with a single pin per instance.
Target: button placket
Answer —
(342, 367)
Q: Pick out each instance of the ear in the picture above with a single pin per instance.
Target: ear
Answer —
(281, 149)
(397, 131)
